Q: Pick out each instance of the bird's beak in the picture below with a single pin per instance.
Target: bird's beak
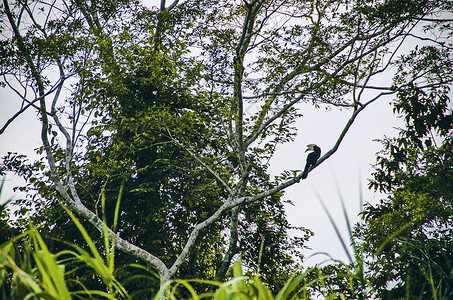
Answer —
(309, 147)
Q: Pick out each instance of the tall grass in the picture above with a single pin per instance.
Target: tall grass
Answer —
(36, 273)
(242, 287)
(360, 282)
(28, 270)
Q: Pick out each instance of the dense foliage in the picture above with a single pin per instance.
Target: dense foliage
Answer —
(158, 125)
(409, 233)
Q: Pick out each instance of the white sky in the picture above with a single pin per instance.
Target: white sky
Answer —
(22, 136)
(344, 172)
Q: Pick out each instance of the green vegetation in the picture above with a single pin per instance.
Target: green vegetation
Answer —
(158, 125)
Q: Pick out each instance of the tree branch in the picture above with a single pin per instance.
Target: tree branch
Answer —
(232, 247)
(195, 232)
(297, 178)
(17, 114)
(120, 243)
(238, 64)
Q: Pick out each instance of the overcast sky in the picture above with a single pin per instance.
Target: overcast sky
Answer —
(344, 172)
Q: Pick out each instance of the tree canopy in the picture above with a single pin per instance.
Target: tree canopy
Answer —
(409, 233)
(144, 119)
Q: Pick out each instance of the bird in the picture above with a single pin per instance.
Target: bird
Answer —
(312, 158)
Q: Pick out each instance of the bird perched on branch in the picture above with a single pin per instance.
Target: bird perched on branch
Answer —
(311, 158)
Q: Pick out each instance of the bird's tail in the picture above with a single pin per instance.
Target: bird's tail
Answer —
(305, 173)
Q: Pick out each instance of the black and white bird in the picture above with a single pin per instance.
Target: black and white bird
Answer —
(311, 158)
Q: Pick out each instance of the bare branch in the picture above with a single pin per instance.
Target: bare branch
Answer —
(18, 113)
(31, 103)
(173, 5)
